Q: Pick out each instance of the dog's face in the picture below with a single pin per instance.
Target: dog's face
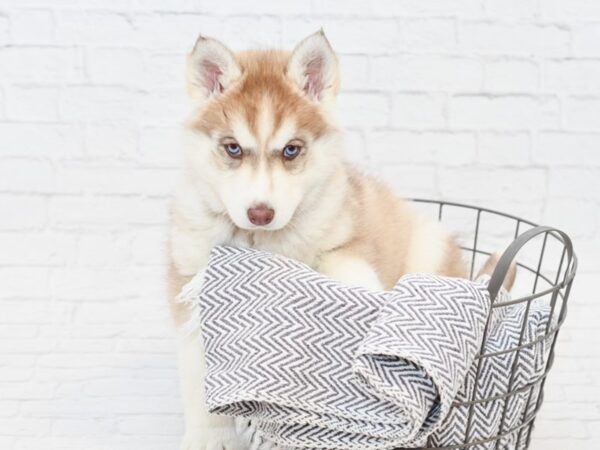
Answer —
(263, 139)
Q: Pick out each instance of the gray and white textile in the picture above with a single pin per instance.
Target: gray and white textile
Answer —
(499, 375)
(317, 364)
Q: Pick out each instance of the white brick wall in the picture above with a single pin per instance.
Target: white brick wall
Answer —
(495, 102)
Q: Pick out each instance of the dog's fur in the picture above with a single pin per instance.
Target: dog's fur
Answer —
(328, 215)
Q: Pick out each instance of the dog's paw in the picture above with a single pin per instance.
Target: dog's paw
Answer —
(221, 438)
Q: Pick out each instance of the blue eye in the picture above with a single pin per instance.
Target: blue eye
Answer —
(234, 150)
(291, 151)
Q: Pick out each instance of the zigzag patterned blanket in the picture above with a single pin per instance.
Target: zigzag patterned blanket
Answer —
(501, 415)
(317, 364)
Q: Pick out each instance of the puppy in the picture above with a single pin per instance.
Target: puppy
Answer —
(265, 168)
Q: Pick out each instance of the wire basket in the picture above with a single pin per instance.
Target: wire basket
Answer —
(546, 267)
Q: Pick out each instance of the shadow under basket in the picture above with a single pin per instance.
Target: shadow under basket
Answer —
(546, 266)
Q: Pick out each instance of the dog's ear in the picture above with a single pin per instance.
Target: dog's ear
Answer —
(314, 67)
(211, 68)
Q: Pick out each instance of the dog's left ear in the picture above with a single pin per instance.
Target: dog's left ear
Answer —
(314, 67)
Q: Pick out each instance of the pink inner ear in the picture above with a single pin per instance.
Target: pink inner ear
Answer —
(314, 77)
(210, 73)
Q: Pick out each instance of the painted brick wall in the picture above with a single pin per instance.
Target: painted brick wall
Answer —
(493, 102)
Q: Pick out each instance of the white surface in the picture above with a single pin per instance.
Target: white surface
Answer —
(492, 102)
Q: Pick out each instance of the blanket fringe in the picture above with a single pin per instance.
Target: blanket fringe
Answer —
(188, 297)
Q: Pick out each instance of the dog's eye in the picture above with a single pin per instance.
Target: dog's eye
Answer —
(291, 151)
(234, 150)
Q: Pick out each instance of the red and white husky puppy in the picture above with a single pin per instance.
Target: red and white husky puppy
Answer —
(265, 168)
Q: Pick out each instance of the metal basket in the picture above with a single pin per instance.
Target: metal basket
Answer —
(544, 274)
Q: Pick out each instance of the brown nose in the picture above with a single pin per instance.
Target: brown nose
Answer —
(260, 215)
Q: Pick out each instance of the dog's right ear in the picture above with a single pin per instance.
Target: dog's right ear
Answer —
(211, 68)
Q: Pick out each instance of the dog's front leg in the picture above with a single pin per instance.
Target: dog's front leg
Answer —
(349, 269)
(203, 431)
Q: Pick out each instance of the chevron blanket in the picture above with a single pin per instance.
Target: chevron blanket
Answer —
(317, 364)
(499, 374)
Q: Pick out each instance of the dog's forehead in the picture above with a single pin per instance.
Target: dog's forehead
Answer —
(261, 129)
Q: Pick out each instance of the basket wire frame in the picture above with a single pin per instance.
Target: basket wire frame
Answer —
(558, 282)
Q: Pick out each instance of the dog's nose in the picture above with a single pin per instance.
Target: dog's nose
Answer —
(260, 214)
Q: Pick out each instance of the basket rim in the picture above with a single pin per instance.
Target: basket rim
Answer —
(556, 285)
(478, 208)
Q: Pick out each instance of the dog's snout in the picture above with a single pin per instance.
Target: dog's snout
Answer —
(261, 214)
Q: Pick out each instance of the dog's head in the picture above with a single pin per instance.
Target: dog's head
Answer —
(263, 138)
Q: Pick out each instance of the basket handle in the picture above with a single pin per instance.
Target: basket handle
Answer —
(511, 251)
